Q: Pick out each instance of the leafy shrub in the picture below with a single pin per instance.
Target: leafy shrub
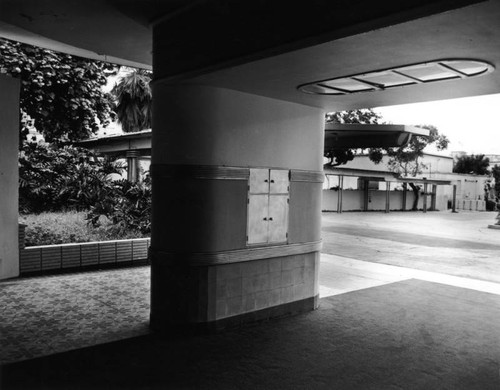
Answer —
(53, 179)
(126, 204)
(70, 178)
(66, 227)
(491, 205)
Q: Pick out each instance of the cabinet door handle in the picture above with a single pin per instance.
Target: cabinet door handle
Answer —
(265, 219)
(271, 218)
(272, 181)
(265, 181)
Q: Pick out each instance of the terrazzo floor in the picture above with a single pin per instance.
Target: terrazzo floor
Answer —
(42, 316)
(45, 315)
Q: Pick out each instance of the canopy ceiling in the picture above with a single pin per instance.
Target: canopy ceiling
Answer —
(271, 48)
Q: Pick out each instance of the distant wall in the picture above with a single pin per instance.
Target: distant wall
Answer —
(9, 176)
(352, 200)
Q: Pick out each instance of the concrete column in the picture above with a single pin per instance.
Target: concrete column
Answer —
(366, 194)
(433, 197)
(132, 165)
(9, 177)
(341, 193)
(387, 196)
(206, 144)
(454, 204)
(424, 200)
(405, 195)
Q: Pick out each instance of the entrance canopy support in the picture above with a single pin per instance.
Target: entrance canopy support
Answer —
(341, 191)
(236, 228)
(388, 197)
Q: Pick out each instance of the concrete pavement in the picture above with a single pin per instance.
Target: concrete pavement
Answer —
(457, 244)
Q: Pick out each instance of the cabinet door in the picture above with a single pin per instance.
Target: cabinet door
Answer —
(279, 182)
(257, 219)
(278, 218)
(259, 181)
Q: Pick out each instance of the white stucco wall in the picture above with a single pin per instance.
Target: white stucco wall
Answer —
(9, 135)
(352, 200)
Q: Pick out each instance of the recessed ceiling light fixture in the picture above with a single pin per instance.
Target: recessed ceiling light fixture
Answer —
(423, 73)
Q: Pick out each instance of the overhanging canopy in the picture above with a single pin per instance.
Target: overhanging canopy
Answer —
(362, 173)
(358, 136)
(119, 144)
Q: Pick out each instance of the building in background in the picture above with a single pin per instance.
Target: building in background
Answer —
(362, 185)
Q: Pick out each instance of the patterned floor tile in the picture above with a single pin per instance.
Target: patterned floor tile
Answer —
(50, 314)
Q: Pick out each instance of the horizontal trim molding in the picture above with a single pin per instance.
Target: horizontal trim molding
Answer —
(214, 172)
(307, 176)
(210, 172)
(240, 255)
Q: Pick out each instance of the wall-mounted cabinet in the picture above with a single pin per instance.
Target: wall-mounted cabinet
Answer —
(268, 200)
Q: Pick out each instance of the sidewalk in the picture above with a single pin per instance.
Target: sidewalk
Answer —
(455, 244)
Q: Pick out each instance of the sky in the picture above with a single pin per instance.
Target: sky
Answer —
(470, 123)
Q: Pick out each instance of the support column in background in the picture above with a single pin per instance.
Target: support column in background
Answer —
(209, 147)
(387, 196)
(405, 195)
(132, 165)
(9, 177)
(341, 193)
(433, 197)
(424, 207)
(454, 204)
(366, 194)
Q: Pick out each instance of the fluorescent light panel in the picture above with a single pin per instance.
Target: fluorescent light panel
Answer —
(427, 72)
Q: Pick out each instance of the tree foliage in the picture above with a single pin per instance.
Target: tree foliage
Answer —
(406, 160)
(126, 204)
(495, 171)
(475, 163)
(366, 116)
(133, 100)
(61, 92)
(58, 179)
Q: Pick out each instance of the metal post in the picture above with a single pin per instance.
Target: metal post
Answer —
(339, 200)
(404, 195)
(454, 203)
(132, 165)
(425, 198)
(366, 194)
(433, 197)
(387, 196)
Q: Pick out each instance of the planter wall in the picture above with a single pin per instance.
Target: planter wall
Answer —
(50, 258)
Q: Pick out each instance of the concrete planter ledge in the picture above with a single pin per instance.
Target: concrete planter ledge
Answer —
(79, 256)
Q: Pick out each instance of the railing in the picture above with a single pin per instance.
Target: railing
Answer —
(79, 256)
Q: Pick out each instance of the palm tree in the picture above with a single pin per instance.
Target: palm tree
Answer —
(133, 100)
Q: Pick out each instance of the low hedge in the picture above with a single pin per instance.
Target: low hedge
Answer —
(52, 228)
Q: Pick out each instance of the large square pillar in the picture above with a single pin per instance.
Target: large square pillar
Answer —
(9, 176)
(237, 182)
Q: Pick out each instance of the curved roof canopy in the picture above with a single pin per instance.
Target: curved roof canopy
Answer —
(271, 48)
(358, 136)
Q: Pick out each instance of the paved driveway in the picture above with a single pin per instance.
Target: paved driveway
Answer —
(458, 244)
